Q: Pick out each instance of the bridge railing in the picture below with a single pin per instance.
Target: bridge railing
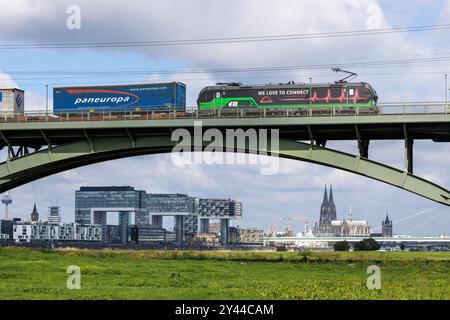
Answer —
(229, 113)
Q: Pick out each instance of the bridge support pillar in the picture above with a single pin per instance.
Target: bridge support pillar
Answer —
(179, 229)
(204, 225)
(157, 220)
(321, 143)
(363, 146)
(100, 218)
(409, 167)
(124, 226)
(224, 231)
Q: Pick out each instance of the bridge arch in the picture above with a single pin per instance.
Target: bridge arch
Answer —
(18, 171)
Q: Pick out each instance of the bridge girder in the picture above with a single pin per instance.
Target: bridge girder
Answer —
(29, 167)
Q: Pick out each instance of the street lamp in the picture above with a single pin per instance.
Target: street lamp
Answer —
(446, 90)
(310, 89)
(446, 104)
(46, 99)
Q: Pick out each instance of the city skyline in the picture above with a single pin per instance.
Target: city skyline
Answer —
(296, 222)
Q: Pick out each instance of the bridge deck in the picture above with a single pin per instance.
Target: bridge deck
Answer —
(381, 127)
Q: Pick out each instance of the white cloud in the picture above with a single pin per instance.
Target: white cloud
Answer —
(113, 21)
(33, 101)
(6, 81)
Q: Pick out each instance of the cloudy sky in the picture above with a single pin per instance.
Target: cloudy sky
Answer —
(296, 191)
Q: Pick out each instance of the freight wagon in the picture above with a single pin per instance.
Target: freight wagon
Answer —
(157, 96)
(11, 102)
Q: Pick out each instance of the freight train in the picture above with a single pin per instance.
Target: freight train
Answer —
(160, 99)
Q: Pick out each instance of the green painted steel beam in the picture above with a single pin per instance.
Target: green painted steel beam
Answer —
(16, 172)
(230, 122)
(365, 167)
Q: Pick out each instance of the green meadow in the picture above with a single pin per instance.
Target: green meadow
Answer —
(117, 274)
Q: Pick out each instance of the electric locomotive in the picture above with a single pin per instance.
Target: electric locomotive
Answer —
(342, 96)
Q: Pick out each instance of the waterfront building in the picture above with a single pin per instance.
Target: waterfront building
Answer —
(92, 204)
(54, 216)
(7, 226)
(252, 235)
(148, 234)
(221, 209)
(387, 227)
(179, 206)
(204, 240)
(47, 232)
(191, 215)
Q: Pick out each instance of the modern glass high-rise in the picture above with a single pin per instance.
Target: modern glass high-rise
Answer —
(54, 217)
(223, 209)
(180, 206)
(191, 214)
(93, 203)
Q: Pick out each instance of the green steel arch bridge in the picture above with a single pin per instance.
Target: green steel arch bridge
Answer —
(42, 144)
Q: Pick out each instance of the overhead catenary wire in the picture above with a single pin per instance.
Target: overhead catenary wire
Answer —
(225, 40)
(363, 64)
(37, 81)
(423, 222)
(414, 215)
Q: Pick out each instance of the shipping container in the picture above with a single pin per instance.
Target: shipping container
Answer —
(12, 101)
(135, 97)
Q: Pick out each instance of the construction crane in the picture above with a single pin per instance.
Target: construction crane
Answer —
(290, 232)
(272, 228)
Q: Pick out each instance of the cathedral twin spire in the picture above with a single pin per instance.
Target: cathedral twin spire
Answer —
(326, 199)
(327, 211)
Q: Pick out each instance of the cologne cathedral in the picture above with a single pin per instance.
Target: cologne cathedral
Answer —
(330, 226)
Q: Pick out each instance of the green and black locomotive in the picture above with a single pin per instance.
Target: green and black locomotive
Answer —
(290, 95)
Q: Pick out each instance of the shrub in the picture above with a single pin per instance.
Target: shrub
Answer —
(367, 245)
(342, 246)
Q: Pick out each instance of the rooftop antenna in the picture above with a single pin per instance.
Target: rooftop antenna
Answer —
(6, 200)
(351, 74)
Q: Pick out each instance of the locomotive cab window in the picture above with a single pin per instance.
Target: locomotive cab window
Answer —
(364, 92)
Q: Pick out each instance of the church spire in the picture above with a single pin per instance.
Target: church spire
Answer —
(331, 194)
(325, 196)
(34, 214)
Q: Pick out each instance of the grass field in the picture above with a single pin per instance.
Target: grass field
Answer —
(41, 274)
